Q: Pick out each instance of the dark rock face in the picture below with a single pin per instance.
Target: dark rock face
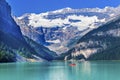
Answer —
(13, 46)
(7, 24)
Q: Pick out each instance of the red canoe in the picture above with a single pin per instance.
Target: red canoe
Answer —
(72, 64)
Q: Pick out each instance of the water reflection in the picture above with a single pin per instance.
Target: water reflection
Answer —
(61, 71)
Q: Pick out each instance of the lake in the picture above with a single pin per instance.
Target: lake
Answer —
(94, 70)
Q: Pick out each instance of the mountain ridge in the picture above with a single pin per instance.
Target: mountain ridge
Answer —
(57, 28)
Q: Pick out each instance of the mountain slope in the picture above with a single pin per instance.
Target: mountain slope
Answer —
(42, 51)
(10, 35)
(56, 29)
(13, 46)
(102, 43)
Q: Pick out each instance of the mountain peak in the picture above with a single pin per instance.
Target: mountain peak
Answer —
(62, 10)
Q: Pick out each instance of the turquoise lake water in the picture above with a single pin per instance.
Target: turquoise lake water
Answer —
(95, 70)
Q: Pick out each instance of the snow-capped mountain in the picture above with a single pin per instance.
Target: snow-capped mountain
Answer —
(56, 29)
(102, 43)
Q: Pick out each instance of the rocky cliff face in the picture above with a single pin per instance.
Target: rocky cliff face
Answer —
(7, 24)
(13, 46)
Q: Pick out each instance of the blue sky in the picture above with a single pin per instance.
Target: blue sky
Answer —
(20, 7)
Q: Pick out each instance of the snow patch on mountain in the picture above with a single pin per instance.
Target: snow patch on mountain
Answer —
(83, 23)
(54, 41)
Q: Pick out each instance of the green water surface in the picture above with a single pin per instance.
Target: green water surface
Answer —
(95, 70)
